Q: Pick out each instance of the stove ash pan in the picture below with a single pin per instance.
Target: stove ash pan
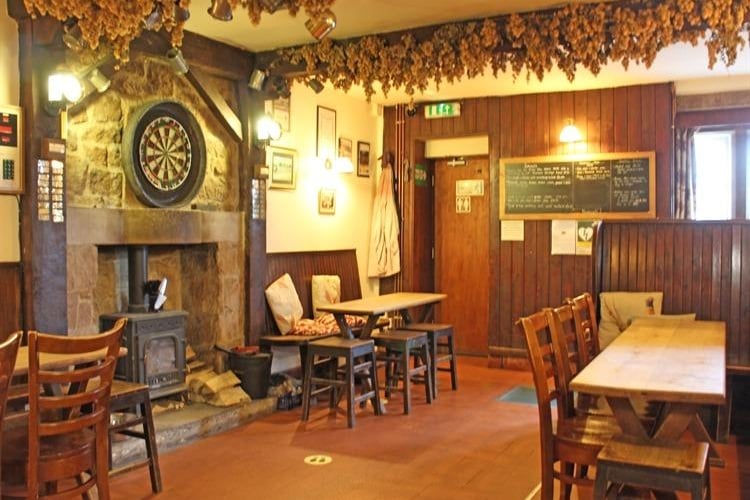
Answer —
(156, 350)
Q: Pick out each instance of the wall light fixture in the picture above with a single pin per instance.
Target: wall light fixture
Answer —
(570, 133)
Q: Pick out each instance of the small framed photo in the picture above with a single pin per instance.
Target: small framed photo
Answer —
(282, 167)
(345, 148)
(363, 159)
(326, 140)
(327, 201)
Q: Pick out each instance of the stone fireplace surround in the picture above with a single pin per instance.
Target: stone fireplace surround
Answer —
(200, 253)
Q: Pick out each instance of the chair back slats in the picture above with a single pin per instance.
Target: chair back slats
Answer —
(584, 312)
(8, 352)
(571, 338)
(62, 404)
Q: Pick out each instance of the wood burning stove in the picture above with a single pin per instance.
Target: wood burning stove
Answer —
(155, 340)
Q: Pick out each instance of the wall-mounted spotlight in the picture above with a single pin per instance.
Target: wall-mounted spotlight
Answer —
(320, 26)
(272, 5)
(266, 130)
(316, 85)
(177, 61)
(257, 79)
(220, 10)
(98, 80)
(72, 36)
(181, 14)
(343, 165)
(279, 86)
(570, 133)
(154, 20)
(63, 89)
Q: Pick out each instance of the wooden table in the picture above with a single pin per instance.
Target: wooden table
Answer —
(374, 307)
(678, 362)
(53, 361)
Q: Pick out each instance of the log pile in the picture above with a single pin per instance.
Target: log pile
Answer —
(207, 386)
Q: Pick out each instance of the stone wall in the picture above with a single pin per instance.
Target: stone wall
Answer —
(206, 277)
(95, 176)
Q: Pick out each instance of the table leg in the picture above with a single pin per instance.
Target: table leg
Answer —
(344, 328)
(626, 417)
(700, 433)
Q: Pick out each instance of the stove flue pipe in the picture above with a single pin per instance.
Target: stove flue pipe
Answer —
(137, 276)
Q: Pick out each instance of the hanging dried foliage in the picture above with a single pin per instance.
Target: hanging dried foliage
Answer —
(578, 35)
(118, 22)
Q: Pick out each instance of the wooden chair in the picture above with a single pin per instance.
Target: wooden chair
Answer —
(575, 441)
(135, 399)
(359, 359)
(584, 312)
(8, 351)
(442, 349)
(63, 451)
(399, 345)
(665, 467)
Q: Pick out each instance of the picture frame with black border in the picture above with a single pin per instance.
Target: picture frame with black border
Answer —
(282, 167)
(363, 159)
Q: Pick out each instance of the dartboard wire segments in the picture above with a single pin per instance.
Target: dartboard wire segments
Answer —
(164, 154)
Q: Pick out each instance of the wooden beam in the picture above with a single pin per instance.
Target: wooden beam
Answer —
(216, 103)
(713, 118)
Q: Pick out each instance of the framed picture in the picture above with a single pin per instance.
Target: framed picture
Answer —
(327, 201)
(345, 148)
(282, 167)
(326, 145)
(278, 109)
(363, 159)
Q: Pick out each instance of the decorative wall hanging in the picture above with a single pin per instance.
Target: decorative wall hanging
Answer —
(164, 154)
(363, 159)
(326, 142)
(282, 166)
(327, 201)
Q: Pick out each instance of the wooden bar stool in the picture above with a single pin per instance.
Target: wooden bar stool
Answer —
(350, 350)
(399, 346)
(134, 398)
(665, 466)
(440, 351)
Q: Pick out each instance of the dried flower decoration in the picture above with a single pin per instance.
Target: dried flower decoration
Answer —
(119, 22)
(577, 35)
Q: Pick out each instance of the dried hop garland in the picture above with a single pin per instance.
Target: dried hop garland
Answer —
(580, 34)
(119, 22)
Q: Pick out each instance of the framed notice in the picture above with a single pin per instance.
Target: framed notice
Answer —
(586, 186)
(282, 167)
(11, 150)
(326, 142)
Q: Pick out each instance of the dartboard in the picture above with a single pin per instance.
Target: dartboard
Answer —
(165, 154)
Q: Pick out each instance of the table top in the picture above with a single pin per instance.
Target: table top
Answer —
(661, 360)
(383, 303)
(52, 361)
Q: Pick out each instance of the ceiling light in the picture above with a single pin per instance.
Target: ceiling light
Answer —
(267, 129)
(570, 133)
(220, 10)
(177, 61)
(257, 78)
(319, 27)
(316, 85)
(272, 5)
(100, 82)
(181, 14)
(72, 37)
(280, 86)
(153, 21)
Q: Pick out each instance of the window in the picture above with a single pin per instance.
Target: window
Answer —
(713, 175)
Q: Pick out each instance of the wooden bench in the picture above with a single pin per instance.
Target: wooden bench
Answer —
(301, 266)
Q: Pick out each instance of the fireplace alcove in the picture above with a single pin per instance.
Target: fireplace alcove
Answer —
(199, 252)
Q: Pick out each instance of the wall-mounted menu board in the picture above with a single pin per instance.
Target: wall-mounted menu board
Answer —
(585, 186)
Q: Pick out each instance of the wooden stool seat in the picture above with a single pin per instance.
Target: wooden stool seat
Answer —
(399, 346)
(359, 359)
(129, 396)
(440, 351)
(662, 466)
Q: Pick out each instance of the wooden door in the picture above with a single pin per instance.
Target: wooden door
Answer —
(462, 265)
(423, 279)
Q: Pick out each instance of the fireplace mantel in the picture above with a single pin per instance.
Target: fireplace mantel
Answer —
(111, 226)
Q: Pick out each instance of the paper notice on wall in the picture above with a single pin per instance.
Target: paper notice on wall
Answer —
(511, 230)
(584, 236)
(563, 237)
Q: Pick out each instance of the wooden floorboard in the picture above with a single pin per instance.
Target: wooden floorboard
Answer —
(467, 444)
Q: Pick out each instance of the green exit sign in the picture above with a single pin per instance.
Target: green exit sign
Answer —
(442, 110)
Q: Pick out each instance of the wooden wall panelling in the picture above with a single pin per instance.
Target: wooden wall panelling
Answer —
(606, 121)
(489, 118)
(593, 121)
(708, 271)
(10, 291)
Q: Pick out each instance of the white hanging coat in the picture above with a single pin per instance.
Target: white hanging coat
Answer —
(385, 256)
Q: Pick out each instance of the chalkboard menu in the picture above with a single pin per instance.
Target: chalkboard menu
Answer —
(596, 185)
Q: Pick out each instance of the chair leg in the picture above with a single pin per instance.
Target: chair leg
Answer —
(102, 461)
(453, 364)
(388, 373)
(600, 483)
(407, 379)
(333, 369)
(429, 382)
(433, 365)
(152, 451)
(307, 386)
(350, 391)
(374, 376)
(567, 469)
